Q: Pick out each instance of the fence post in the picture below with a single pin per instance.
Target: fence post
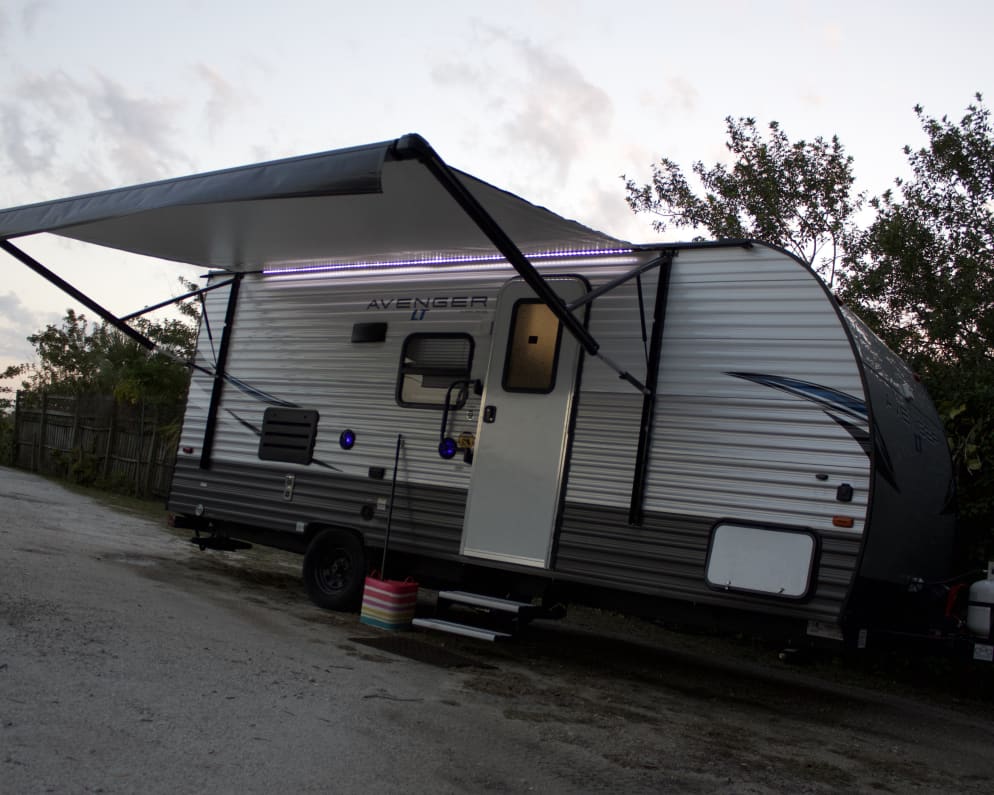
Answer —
(109, 447)
(15, 446)
(150, 466)
(138, 452)
(76, 430)
(42, 434)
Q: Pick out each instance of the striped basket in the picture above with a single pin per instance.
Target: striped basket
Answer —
(388, 604)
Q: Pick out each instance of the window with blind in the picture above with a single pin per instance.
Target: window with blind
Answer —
(429, 365)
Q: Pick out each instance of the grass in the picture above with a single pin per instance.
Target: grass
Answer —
(153, 508)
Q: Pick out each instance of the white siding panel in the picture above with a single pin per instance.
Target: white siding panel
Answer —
(292, 340)
(722, 445)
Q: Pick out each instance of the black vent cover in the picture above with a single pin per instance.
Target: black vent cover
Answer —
(369, 332)
(288, 435)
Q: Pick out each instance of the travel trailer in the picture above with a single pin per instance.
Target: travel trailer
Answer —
(396, 355)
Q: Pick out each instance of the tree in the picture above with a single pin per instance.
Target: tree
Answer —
(77, 357)
(922, 275)
(798, 195)
(924, 266)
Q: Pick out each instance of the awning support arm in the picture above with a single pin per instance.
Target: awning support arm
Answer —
(412, 147)
(85, 300)
(620, 280)
(176, 300)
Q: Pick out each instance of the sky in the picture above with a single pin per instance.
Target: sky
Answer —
(553, 100)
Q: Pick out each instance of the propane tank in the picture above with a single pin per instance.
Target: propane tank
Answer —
(980, 612)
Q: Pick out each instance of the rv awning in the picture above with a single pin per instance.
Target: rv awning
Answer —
(350, 205)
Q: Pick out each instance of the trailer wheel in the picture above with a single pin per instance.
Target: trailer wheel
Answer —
(334, 569)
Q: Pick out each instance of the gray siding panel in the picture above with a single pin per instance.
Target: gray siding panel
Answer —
(425, 519)
(667, 556)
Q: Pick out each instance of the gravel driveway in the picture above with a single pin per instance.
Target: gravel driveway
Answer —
(132, 662)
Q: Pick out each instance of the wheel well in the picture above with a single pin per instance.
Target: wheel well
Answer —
(316, 528)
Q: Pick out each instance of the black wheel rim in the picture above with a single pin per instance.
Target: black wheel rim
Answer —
(334, 573)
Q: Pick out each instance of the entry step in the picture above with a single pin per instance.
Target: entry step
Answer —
(453, 628)
(486, 602)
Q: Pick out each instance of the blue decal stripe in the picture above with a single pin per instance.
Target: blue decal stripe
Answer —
(817, 393)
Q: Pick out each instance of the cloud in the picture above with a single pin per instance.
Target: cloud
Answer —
(223, 99)
(832, 35)
(13, 310)
(78, 133)
(456, 73)
(141, 128)
(29, 149)
(65, 132)
(559, 109)
(681, 92)
(31, 13)
(550, 109)
(29, 128)
(607, 203)
(14, 346)
(15, 317)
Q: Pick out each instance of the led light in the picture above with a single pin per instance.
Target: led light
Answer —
(447, 448)
(347, 439)
(842, 521)
(428, 262)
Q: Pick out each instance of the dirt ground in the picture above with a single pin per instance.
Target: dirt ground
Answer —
(131, 661)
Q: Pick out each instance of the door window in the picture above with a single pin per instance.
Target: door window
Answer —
(532, 349)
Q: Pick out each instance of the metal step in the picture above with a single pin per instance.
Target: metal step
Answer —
(459, 629)
(487, 602)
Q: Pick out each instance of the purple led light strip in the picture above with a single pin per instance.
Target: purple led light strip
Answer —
(425, 263)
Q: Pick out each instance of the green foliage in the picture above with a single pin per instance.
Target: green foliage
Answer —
(6, 438)
(78, 357)
(923, 274)
(798, 195)
(6, 392)
(79, 466)
(925, 266)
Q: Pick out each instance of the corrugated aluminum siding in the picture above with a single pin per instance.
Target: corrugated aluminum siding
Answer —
(292, 341)
(426, 519)
(723, 447)
(666, 557)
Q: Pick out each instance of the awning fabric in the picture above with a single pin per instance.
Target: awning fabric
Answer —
(349, 205)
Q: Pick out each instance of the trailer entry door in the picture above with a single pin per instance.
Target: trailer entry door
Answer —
(522, 435)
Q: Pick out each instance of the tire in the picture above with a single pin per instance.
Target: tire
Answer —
(335, 569)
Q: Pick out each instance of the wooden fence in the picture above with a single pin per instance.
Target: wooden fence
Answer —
(95, 440)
